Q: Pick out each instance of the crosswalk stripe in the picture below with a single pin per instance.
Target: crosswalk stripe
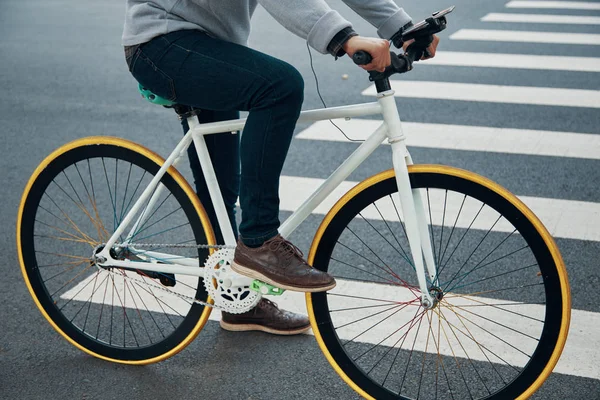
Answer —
(514, 61)
(542, 19)
(580, 345)
(563, 218)
(469, 138)
(572, 5)
(526, 36)
(493, 93)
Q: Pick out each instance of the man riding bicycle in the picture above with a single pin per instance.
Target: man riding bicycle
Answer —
(194, 52)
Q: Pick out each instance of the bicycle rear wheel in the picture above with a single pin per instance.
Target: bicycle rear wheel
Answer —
(71, 206)
(503, 308)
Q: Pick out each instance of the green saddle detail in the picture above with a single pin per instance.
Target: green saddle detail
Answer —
(154, 98)
(265, 288)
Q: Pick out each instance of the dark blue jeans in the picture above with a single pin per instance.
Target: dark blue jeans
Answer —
(192, 68)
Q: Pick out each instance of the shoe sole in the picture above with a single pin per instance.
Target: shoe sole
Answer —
(240, 269)
(255, 327)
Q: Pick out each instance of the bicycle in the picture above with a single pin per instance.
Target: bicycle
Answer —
(415, 247)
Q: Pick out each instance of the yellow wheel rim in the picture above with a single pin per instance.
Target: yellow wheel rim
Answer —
(450, 171)
(107, 140)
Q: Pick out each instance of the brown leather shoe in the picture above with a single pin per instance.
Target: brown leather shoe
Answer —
(280, 263)
(266, 317)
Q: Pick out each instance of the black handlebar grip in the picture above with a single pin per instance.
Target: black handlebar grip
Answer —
(412, 53)
(362, 58)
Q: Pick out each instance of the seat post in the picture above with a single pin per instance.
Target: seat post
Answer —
(185, 112)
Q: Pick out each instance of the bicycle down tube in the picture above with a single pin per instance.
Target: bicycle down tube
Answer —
(411, 203)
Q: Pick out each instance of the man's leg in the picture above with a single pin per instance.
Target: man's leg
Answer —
(192, 68)
(224, 152)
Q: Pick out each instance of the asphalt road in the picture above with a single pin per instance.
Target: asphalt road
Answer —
(63, 76)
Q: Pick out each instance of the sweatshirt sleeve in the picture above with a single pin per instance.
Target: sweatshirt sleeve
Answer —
(384, 15)
(312, 20)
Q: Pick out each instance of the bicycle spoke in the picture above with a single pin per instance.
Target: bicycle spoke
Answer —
(144, 227)
(365, 318)
(112, 201)
(478, 267)
(413, 322)
(368, 298)
(386, 270)
(454, 353)
(473, 252)
(404, 255)
(411, 354)
(149, 313)
(362, 333)
(492, 321)
(454, 327)
(367, 272)
(452, 232)
(138, 310)
(122, 214)
(492, 277)
(461, 238)
(390, 348)
(463, 318)
(384, 238)
(493, 290)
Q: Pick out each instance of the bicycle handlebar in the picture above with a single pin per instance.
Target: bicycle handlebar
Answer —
(401, 63)
(421, 33)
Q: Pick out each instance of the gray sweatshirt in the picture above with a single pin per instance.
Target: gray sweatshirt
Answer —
(229, 20)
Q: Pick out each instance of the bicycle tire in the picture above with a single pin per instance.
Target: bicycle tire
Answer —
(454, 368)
(48, 238)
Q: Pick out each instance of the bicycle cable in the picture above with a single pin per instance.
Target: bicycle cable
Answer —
(321, 97)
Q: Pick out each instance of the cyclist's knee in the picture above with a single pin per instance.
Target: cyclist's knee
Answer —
(292, 85)
(284, 87)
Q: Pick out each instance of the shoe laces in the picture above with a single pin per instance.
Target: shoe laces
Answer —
(266, 303)
(288, 247)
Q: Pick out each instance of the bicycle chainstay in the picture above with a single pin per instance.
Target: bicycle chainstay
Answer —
(161, 287)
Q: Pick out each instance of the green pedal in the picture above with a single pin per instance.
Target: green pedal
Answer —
(266, 289)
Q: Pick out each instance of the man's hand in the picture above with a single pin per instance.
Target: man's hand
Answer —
(379, 49)
(431, 49)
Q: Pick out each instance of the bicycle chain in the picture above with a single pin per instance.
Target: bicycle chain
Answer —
(197, 246)
(181, 296)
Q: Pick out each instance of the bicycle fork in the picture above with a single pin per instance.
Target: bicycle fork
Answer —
(411, 202)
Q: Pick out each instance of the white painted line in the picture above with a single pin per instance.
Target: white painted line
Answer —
(469, 138)
(563, 218)
(493, 93)
(526, 36)
(571, 5)
(514, 61)
(582, 344)
(542, 18)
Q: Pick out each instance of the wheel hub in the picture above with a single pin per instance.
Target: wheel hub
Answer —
(437, 294)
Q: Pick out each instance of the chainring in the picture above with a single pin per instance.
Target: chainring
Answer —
(229, 290)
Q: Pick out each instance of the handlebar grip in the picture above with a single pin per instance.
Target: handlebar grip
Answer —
(362, 58)
(413, 54)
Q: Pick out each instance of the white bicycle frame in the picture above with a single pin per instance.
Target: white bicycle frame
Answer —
(411, 201)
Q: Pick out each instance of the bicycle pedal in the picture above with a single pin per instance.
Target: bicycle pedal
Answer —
(266, 289)
(165, 279)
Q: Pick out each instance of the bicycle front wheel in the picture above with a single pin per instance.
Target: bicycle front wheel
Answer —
(503, 301)
(71, 206)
